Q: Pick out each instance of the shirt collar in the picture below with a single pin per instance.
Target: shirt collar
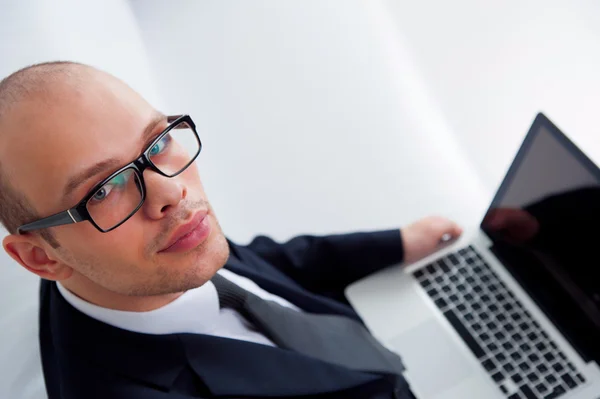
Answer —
(196, 311)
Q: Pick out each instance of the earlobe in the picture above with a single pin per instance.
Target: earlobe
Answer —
(34, 258)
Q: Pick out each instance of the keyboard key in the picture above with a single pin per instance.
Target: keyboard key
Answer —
(516, 356)
(468, 297)
(571, 383)
(453, 278)
(425, 283)
(453, 298)
(553, 345)
(491, 325)
(484, 316)
(503, 389)
(516, 378)
(500, 297)
(476, 327)
(533, 377)
(532, 336)
(470, 280)
(501, 357)
(469, 317)
(508, 307)
(447, 289)
(464, 334)
(499, 335)
(485, 278)
(549, 357)
(493, 308)
(488, 365)
(580, 378)
(508, 367)
(439, 280)
(541, 346)
(498, 377)
(453, 259)
(501, 317)
(430, 269)
(507, 345)
(533, 357)
(476, 306)
(461, 288)
(558, 367)
(485, 298)
(524, 326)
(484, 337)
(541, 388)
(551, 379)
(542, 368)
(440, 303)
(461, 307)
(478, 289)
(444, 266)
(517, 337)
(525, 347)
(570, 365)
(528, 393)
(516, 316)
(492, 288)
(524, 366)
(515, 396)
(492, 347)
(432, 292)
(418, 274)
(559, 390)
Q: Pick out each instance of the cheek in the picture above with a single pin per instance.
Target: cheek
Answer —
(124, 244)
(192, 180)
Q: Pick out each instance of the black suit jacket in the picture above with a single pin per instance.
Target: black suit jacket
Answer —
(85, 359)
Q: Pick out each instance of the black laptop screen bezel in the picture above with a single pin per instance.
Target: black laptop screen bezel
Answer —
(540, 121)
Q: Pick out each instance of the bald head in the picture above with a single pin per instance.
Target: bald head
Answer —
(32, 83)
(35, 104)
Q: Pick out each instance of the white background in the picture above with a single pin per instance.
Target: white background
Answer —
(322, 116)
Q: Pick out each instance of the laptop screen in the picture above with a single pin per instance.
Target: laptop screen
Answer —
(544, 224)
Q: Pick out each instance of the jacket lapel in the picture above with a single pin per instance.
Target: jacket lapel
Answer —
(228, 367)
(239, 262)
(237, 368)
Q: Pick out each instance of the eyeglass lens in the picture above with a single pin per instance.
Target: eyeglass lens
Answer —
(117, 199)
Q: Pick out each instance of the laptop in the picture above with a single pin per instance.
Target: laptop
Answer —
(512, 308)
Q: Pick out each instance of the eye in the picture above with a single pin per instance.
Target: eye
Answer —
(101, 194)
(117, 182)
(161, 145)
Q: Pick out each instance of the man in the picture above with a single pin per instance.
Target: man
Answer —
(101, 199)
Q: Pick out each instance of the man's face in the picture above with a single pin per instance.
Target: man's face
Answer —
(54, 138)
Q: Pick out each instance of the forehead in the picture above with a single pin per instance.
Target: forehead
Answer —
(49, 137)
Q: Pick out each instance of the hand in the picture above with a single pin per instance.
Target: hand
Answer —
(423, 237)
(517, 225)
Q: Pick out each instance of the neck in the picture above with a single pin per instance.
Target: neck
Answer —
(94, 294)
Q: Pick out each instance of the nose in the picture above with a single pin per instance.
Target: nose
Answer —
(163, 194)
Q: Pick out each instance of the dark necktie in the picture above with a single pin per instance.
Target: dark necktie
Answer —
(330, 338)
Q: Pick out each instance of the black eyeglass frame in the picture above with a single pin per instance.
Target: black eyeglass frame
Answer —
(79, 212)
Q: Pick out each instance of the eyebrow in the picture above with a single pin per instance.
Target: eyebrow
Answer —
(112, 163)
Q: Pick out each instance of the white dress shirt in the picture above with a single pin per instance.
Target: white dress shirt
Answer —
(197, 311)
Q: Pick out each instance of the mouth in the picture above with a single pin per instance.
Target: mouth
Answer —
(190, 234)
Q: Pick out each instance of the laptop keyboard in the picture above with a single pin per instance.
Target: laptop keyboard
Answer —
(511, 346)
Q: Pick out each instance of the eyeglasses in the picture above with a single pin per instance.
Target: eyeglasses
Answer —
(118, 197)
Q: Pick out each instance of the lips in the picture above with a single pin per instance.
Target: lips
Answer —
(184, 232)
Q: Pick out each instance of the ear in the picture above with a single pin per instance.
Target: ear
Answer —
(30, 253)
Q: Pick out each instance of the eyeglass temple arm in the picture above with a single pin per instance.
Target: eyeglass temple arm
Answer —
(67, 217)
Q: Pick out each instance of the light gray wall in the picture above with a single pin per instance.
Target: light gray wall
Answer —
(313, 114)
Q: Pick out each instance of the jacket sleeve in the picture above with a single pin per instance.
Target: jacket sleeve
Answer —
(327, 265)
